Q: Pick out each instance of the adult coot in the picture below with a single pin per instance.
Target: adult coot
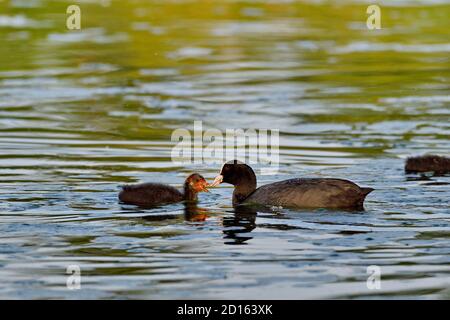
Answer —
(153, 194)
(428, 163)
(303, 193)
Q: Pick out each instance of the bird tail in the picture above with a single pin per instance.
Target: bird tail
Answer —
(366, 191)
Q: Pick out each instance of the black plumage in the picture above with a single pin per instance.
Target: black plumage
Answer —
(428, 163)
(153, 194)
(300, 193)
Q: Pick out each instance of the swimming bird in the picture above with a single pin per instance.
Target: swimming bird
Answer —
(154, 194)
(300, 192)
(428, 163)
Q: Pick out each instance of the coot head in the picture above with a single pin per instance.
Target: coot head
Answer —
(236, 173)
(196, 183)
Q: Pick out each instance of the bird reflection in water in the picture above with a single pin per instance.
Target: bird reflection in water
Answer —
(237, 227)
(194, 213)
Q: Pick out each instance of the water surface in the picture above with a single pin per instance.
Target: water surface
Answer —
(83, 112)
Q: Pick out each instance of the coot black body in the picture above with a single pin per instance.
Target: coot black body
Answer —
(154, 194)
(428, 163)
(299, 193)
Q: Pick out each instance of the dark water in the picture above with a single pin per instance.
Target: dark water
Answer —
(83, 112)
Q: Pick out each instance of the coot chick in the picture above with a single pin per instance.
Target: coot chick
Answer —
(428, 163)
(154, 194)
(300, 193)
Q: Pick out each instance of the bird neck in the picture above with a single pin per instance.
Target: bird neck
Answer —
(189, 194)
(244, 187)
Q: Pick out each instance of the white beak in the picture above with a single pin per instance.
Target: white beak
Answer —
(218, 180)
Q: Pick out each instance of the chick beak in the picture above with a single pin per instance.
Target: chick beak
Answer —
(205, 186)
(201, 186)
(218, 180)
